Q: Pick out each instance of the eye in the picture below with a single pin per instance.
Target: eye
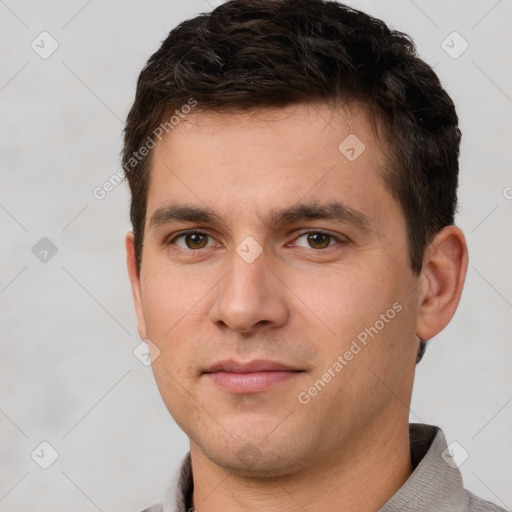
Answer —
(316, 240)
(192, 240)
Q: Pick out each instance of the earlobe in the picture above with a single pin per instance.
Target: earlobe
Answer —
(443, 275)
(134, 274)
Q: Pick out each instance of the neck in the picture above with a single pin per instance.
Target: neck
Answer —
(363, 478)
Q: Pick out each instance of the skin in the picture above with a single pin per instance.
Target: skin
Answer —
(348, 447)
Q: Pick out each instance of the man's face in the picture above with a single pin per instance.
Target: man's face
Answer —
(302, 260)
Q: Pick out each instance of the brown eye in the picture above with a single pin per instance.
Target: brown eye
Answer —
(192, 240)
(196, 240)
(316, 240)
(319, 240)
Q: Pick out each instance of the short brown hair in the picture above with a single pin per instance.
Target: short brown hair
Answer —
(267, 53)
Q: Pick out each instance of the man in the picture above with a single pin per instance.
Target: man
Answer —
(293, 168)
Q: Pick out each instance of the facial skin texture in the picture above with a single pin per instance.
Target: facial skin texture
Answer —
(348, 448)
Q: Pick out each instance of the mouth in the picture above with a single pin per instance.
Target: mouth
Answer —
(250, 377)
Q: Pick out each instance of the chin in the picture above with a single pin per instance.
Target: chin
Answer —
(249, 460)
(261, 459)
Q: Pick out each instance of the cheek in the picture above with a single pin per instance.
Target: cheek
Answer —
(166, 299)
(359, 316)
(345, 301)
(175, 317)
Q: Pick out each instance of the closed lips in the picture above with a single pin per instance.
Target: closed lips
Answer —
(250, 367)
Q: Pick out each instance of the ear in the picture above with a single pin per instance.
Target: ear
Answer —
(134, 274)
(444, 271)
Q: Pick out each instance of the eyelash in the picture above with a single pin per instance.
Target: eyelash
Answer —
(306, 232)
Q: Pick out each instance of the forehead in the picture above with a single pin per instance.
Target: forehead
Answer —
(275, 157)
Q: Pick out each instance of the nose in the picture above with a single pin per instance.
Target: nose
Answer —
(250, 297)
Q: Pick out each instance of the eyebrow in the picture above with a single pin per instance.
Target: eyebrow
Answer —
(333, 210)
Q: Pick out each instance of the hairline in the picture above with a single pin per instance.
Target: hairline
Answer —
(376, 120)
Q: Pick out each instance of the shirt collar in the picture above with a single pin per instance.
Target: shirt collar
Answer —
(434, 483)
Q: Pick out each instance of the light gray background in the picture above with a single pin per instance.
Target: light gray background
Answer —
(68, 375)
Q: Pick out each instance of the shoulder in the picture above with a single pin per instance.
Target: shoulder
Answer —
(476, 504)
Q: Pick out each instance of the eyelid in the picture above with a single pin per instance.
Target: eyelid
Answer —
(337, 236)
(172, 238)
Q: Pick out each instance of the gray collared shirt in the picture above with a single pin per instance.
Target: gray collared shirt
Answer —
(435, 484)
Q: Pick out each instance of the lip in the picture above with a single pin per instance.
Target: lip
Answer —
(249, 377)
(256, 365)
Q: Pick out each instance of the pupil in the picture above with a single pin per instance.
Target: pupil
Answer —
(318, 239)
(196, 240)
